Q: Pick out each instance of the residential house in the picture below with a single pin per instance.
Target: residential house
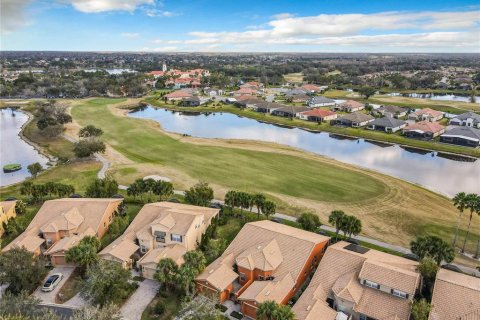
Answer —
(299, 98)
(194, 101)
(392, 111)
(320, 101)
(212, 92)
(468, 119)
(355, 119)
(253, 84)
(424, 130)
(349, 106)
(455, 296)
(7, 212)
(318, 115)
(160, 230)
(295, 91)
(244, 91)
(265, 261)
(311, 88)
(426, 114)
(177, 95)
(464, 136)
(248, 101)
(267, 107)
(60, 224)
(289, 111)
(387, 124)
(357, 283)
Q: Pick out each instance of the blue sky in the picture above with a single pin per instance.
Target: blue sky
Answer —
(248, 26)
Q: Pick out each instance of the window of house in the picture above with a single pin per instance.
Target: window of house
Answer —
(104, 224)
(362, 317)
(176, 237)
(159, 238)
(143, 249)
(371, 284)
(242, 276)
(400, 294)
(261, 278)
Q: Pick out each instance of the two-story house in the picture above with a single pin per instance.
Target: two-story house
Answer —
(357, 283)
(160, 230)
(265, 261)
(60, 224)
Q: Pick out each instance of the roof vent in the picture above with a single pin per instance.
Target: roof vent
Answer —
(309, 307)
(259, 247)
(210, 272)
(268, 293)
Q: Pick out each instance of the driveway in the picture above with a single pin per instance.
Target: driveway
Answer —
(139, 300)
(49, 297)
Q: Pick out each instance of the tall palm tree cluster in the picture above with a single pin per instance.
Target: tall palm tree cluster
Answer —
(38, 192)
(244, 200)
(270, 310)
(471, 202)
(140, 187)
(349, 225)
(182, 279)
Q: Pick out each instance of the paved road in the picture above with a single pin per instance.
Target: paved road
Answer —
(64, 312)
(49, 297)
(139, 300)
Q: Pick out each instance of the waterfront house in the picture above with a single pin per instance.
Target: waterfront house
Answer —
(355, 119)
(299, 98)
(463, 136)
(266, 107)
(426, 114)
(318, 115)
(7, 212)
(424, 130)
(160, 230)
(60, 225)
(455, 296)
(353, 282)
(177, 95)
(265, 261)
(391, 111)
(468, 119)
(244, 91)
(194, 101)
(320, 101)
(387, 124)
(349, 106)
(289, 111)
(311, 88)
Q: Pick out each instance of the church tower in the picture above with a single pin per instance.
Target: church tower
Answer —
(164, 67)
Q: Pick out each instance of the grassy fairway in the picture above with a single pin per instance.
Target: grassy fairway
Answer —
(390, 209)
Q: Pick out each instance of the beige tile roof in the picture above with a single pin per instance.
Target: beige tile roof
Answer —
(69, 220)
(64, 213)
(67, 242)
(174, 252)
(265, 256)
(352, 104)
(7, 205)
(219, 273)
(428, 111)
(121, 250)
(456, 296)
(294, 245)
(175, 217)
(275, 290)
(339, 268)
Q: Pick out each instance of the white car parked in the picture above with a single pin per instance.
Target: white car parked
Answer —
(52, 282)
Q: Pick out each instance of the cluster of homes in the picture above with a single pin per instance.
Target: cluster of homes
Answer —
(179, 79)
(266, 261)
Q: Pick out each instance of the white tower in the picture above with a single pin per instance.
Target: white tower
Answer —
(164, 67)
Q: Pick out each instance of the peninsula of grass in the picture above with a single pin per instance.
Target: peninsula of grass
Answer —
(391, 210)
(395, 138)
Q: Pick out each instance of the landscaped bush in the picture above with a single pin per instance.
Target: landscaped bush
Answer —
(221, 307)
(236, 315)
(159, 308)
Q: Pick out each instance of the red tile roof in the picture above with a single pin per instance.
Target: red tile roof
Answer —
(311, 87)
(425, 126)
(319, 113)
(428, 111)
(178, 94)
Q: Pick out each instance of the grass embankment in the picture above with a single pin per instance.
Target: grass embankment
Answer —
(391, 210)
(394, 138)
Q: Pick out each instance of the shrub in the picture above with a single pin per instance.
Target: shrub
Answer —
(159, 308)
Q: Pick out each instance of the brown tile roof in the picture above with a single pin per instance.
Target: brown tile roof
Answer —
(178, 94)
(61, 213)
(311, 87)
(455, 296)
(428, 111)
(351, 104)
(339, 272)
(175, 217)
(295, 246)
(425, 126)
(319, 113)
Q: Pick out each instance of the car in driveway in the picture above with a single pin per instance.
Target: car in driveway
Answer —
(52, 282)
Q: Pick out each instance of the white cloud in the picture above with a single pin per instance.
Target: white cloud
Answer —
(167, 49)
(12, 15)
(95, 6)
(385, 30)
(152, 12)
(130, 34)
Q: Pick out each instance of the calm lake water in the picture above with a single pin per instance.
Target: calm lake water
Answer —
(14, 149)
(430, 169)
(433, 96)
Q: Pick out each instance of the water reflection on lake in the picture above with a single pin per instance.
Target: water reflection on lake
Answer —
(439, 97)
(13, 149)
(429, 169)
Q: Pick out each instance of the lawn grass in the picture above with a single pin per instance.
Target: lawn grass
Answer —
(171, 303)
(395, 138)
(70, 288)
(296, 77)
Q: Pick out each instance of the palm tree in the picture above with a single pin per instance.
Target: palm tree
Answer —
(471, 202)
(284, 313)
(353, 226)
(166, 272)
(459, 202)
(195, 259)
(185, 277)
(266, 310)
(477, 210)
(268, 208)
(259, 199)
(335, 218)
(230, 199)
